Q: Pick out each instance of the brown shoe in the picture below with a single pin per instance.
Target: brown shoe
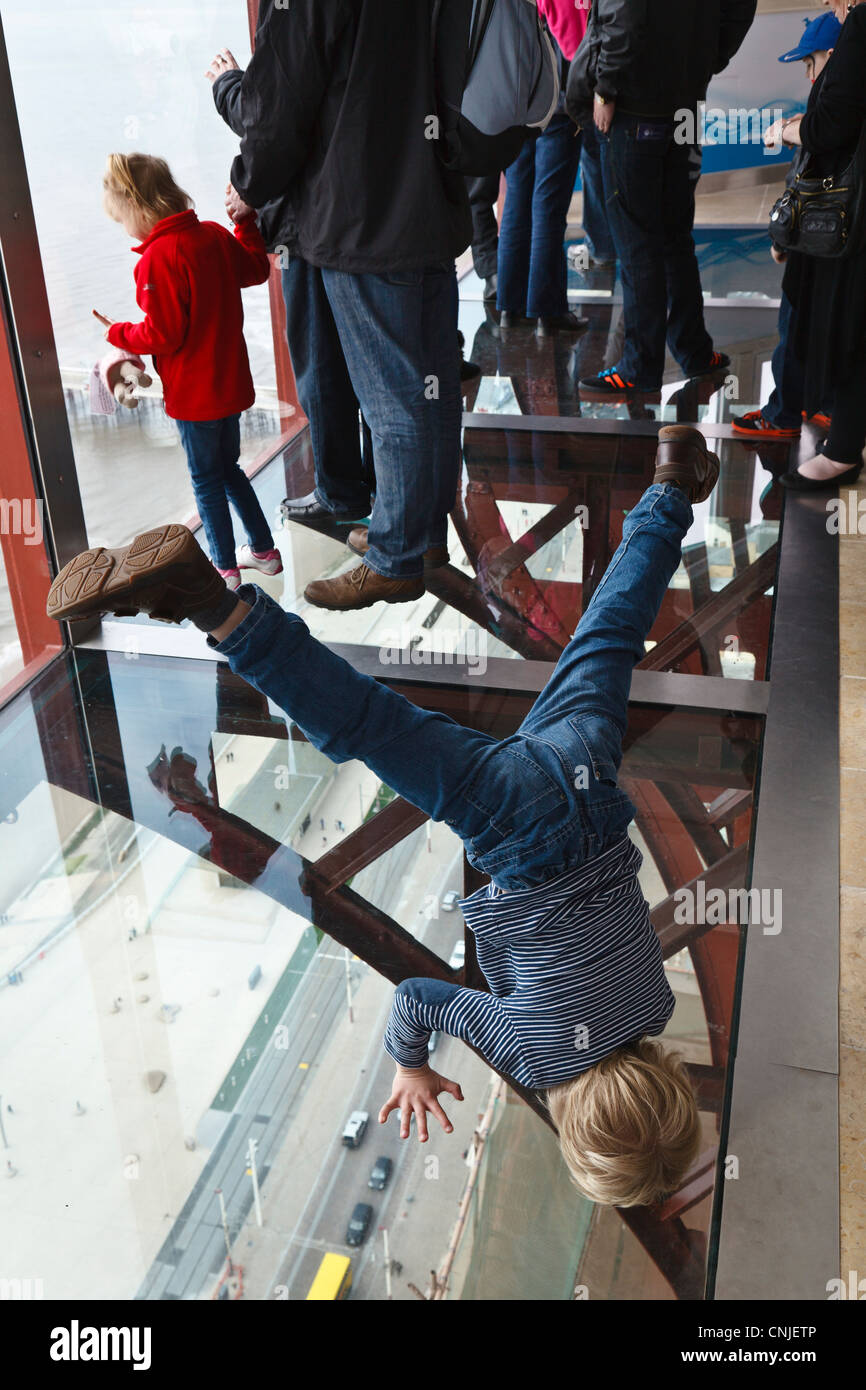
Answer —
(163, 573)
(434, 558)
(360, 588)
(684, 460)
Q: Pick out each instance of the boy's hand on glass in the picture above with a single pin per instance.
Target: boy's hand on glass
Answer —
(225, 61)
(415, 1091)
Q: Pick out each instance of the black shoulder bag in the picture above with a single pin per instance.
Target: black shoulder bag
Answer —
(822, 215)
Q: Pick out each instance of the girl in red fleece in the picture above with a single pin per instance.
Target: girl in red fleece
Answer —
(188, 283)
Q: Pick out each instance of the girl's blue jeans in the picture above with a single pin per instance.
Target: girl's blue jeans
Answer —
(529, 806)
(212, 449)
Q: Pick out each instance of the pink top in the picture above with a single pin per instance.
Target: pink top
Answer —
(567, 20)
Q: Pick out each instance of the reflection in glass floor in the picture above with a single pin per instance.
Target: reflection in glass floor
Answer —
(538, 517)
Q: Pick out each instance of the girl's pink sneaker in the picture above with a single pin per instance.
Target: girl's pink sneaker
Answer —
(231, 577)
(265, 561)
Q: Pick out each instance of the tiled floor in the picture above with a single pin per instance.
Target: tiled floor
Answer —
(852, 991)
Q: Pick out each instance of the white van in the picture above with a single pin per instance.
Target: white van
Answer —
(355, 1128)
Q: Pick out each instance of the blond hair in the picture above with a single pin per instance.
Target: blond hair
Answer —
(629, 1128)
(142, 182)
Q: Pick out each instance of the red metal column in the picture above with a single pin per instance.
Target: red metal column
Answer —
(26, 563)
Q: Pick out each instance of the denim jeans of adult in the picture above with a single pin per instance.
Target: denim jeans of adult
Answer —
(345, 480)
(785, 405)
(212, 450)
(650, 199)
(399, 337)
(596, 228)
(528, 806)
(532, 270)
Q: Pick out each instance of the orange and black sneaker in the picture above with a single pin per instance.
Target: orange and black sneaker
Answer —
(820, 420)
(756, 424)
(719, 362)
(609, 383)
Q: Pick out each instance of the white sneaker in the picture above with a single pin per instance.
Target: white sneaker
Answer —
(231, 577)
(269, 562)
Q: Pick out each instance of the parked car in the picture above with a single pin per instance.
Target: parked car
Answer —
(457, 959)
(381, 1173)
(450, 901)
(359, 1224)
(355, 1128)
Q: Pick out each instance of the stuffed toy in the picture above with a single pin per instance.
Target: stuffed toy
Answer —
(114, 381)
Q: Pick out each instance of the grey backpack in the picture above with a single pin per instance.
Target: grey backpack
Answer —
(492, 94)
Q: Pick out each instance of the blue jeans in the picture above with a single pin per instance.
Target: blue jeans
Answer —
(650, 198)
(345, 480)
(529, 806)
(212, 450)
(532, 269)
(399, 337)
(596, 228)
(789, 374)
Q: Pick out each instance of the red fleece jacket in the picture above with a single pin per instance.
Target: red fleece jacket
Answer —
(188, 283)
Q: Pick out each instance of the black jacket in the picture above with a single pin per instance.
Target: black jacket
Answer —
(335, 107)
(655, 57)
(830, 295)
(277, 222)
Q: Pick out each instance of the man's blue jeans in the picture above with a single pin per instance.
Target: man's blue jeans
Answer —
(528, 806)
(650, 200)
(399, 337)
(532, 269)
(345, 480)
(212, 450)
(596, 228)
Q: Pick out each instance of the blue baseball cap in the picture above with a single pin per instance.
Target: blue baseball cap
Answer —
(819, 35)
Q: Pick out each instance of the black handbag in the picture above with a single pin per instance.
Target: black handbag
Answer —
(821, 215)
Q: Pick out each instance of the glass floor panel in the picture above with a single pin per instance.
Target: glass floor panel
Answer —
(186, 968)
(538, 517)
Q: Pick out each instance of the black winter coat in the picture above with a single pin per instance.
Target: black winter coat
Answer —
(277, 222)
(336, 106)
(829, 295)
(655, 57)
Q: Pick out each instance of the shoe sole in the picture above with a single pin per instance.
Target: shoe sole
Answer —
(124, 581)
(764, 434)
(258, 569)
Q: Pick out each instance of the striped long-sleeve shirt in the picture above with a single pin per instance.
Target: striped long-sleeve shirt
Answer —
(574, 966)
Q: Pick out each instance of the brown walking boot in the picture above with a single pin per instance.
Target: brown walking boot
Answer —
(163, 572)
(684, 460)
(434, 558)
(361, 587)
